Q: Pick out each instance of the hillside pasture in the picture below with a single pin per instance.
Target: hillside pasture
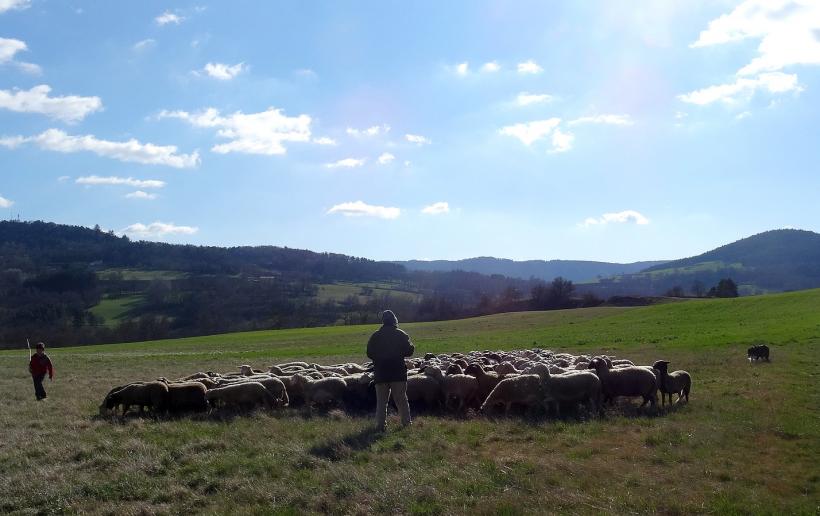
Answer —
(115, 310)
(747, 443)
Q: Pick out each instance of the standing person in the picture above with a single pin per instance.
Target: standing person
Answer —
(387, 348)
(39, 365)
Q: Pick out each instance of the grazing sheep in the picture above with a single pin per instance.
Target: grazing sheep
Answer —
(277, 390)
(571, 388)
(424, 389)
(758, 352)
(677, 382)
(360, 394)
(143, 394)
(243, 396)
(524, 390)
(461, 388)
(454, 369)
(324, 392)
(506, 368)
(187, 397)
(486, 381)
(626, 381)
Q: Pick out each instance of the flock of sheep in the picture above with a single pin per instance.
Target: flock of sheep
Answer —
(525, 381)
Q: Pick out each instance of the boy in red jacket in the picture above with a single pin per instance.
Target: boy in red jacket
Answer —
(38, 367)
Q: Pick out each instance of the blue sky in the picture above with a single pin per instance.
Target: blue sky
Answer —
(398, 130)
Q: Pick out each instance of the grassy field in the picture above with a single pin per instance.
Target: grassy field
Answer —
(142, 275)
(747, 443)
(115, 310)
(341, 290)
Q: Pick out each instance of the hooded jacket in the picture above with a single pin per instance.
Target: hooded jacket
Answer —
(387, 348)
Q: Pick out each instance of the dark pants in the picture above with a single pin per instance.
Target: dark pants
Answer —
(38, 385)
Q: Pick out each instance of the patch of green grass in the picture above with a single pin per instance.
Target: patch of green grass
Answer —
(341, 290)
(141, 274)
(748, 442)
(116, 310)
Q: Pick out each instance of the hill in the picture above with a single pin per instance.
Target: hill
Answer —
(773, 261)
(573, 270)
(296, 462)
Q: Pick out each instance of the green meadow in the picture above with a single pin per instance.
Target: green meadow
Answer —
(747, 443)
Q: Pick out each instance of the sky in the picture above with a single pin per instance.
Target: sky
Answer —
(415, 130)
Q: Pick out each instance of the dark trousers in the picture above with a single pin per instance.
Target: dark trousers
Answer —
(39, 391)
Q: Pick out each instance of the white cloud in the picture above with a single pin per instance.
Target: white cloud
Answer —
(360, 209)
(253, 133)
(743, 89)
(168, 17)
(224, 72)
(531, 132)
(114, 180)
(324, 140)
(787, 29)
(63, 179)
(561, 141)
(463, 68)
(437, 208)
(139, 194)
(69, 109)
(157, 230)
(29, 68)
(529, 67)
(386, 158)
(307, 73)
(347, 163)
(491, 66)
(144, 44)
(417, 138)
(130, 151)
(8, 5)
(370, 131)
(620, 217)
(5, 203)
(741, 116)
(525, 99)
(603, 119)
(9, 48)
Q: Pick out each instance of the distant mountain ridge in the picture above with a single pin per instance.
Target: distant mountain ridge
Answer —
(574, 270)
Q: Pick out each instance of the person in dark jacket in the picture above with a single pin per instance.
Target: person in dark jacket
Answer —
(39, 365)
(387, 348)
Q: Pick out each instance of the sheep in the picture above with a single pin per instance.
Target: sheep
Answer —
(524, 390)
(323, 392)
(425, 389)
(574, 387)
(758, 352)
(626, 381)
(506, 368)
(677, 382)
(277, 390)
(463, 389)
(143, 394)
(454, 369)
(360, 393)
(486, 381)
(244, 396)
(187, 397)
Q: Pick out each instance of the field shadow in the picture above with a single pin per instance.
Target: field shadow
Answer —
(343, 447)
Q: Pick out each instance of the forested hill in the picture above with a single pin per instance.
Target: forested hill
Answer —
(575, 270)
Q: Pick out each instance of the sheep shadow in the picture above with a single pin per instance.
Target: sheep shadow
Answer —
(342, 448)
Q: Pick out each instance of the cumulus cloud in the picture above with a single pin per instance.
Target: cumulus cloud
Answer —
(139, 194)
(114, 180)
(370, 131)
(620, 217)
(744, 89)
(491, 66)
(360, 209)
(787, 30)
(603, 119)
(168, 17)
(8, 5)
(531, 132)
(157, 230)
(129, 151)
(324, 140)
(5, 203)
(462, 68)
(417, 139)
(386, 158)
(347, 163)
(437, 208)
(69, 109)
(529, 67)
(144, 44)
(224, 72)
(561, 141)
(9, 47)
(525, 99)
(252, 133)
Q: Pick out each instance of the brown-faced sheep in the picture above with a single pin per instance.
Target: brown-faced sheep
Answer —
(677, 382)
(626, 381)
(143, 394)
(242, 396)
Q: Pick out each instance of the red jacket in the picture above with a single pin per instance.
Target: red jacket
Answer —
(41, 364)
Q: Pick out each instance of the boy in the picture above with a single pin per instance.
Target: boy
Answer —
(38, 367)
